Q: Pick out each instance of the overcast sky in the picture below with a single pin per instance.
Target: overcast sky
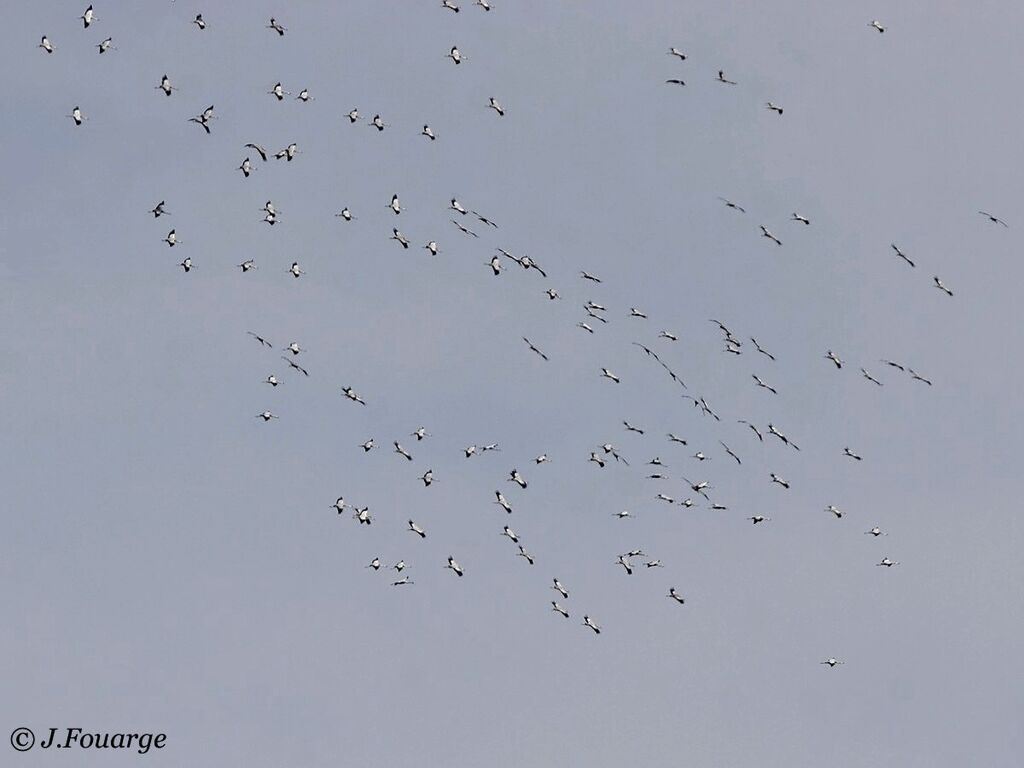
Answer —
(172, 564)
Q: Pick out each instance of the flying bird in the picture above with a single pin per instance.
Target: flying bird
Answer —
(989, 216)
(901, 254)
(875, 24)
(769, 235)
(88, 17)
(534, 349)
(723, 79)
(677, 53)
(276, 26)
(417, 530)
(773, 107)
(941, 286)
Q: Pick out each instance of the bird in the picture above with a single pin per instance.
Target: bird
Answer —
(304, 96)
(585, 327)
(630, 428)
(376, 122)
(503, 502)
(667, 335)
(869, 377)
(834, 510)
(831, 662)
(279, 91)
(295, 270)
(634, 312)
(454, 566)
(730, 203)
(420, 434)
(587, 276)
(171, 239)
(399, 566)
(88, 17)
(534, 349)
(105, 45)
(729, 451)
(757, 346)
(203, 119)
(773, 107)
(46, 45)
(158, 210)
(623, 514)
(654, 564)
(455, 55)
(493, 104)
(484, 220)
(524, 554)
(417, 530)
(675, 81)
(395, 205)
(674, 439)
(758, 519)
(989, 216)
(463, 229)
(353, 115)
(276, 26)
(699, 456)
(515, 477)
(375, 564)
(677, 53)
(266, 416)
(260, 339)
(559, 609)
(469, 451)
(606, 374)
(77, 116)
(798, 217)
(288, 153)
(723, 79)
(773, 431)
(901, 254)
(769, 235)
(851, 454)
(483, 4)
(495, 265)
(165, 85)
(345, 214)
(560, 589)
(623, 560)
(876, 25)
(401, 451)
(368, 446)
(400, 238)
(510, 534)
(351, 395)
(675, 595)
(756, 430)
(246, 168)
(363, 516)
(428, 133)
(761, 384)
(830, 355)
(888, 563)
(917, 377)
(594, 457)
(260, 150)
(295, 366)
(663, 497)
(199, 22)
(272, 380)
(876, 532)
(542, 459)
(449, 5)
(402, 581)
(186, 264)
(588, 622)
(778, 480)
(893, 365)
(941, 287)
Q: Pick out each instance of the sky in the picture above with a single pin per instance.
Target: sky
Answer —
(172, 563)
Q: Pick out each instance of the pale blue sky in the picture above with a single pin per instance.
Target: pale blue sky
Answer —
(171, 563)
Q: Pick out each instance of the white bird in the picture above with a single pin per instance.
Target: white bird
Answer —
(420, 433)
(667, 335)
(503, 502)
(769, 235)
(417, 530)
(876, 532)
(634, 312)
(261, 150)
(276, 26)
(395, 205)
(559, 609)
(851, 454)
(454, 566)
(493, 104)
(677, 53)
(758, 519)
(778, 480)
(676, 596)
(199, 22)
(761, 384)
(363, 516)
(279, 91)
(165, 85)
(401, 451)
(773, 107)
(831, 662)
(901, 254)
(345, 214)
(606, 374)
(941, 287)
(402, 582)
(377, 123)
(186, 264)
(449, 5)
(663, 497)
(266, 416)
(541, 459)
(368, 446)
(171, 239)
(353, 396)
(399, 566)
(105, 45)
(798, 217)
(552, 294)
(455, 55)
(428, 133)
(304, 96)
(654, 564)
(295, 270)
(560, 589)
(723, 79)
(353, 115)
(876, 25)
(45, 44)
(289, 152)
(159, 211)
(587, 622)
(515, 477)
(888, 563)
(455, 205)
(986, 214)
(509, 533)
(830, 355)
(203, 118)
(675, 439)
(596, 459)
(375, 564)
(834, 510)
(427, 477)
(524, 554)
(247, 265)
(623, 560)
(869, 377)
(88, 17)
(495, 265)
(469, 450)
(77, 116)
(340, 504)
(483, 4)
(623, 514)
(432, 247)
(398, 236)
(246, 168)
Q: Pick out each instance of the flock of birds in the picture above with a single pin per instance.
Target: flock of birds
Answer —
(470, 223)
